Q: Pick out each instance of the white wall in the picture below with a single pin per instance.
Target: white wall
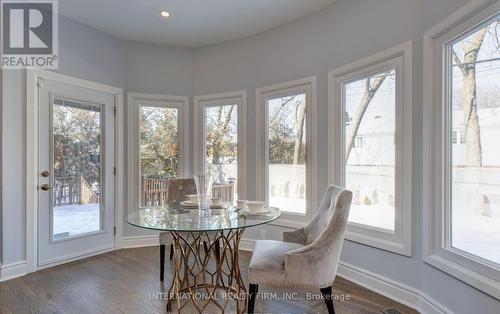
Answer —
(79, 57)
(157, 70)
(345, 32)
(92, 55)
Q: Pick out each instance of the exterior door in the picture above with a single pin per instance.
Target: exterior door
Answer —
(76, 172)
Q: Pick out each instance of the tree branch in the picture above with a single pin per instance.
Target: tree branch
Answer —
(458, 62)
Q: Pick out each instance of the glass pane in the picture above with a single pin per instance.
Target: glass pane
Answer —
(158, 151)
(287, 153)
(475, 158)
(77, 145)
(370, 125)
(221, 129)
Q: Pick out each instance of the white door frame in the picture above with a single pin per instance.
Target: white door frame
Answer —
(32, 105)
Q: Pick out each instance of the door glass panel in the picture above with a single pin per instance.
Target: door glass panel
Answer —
(221, 146)
(370, 150)
(76, 155)
(158, 151)
(286, 128)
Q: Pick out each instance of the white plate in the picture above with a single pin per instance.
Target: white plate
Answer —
(265, 211)
(194, 205)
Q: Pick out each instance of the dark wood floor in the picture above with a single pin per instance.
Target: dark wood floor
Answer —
(124, 281)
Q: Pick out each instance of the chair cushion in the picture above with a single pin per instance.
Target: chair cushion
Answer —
(267, 265)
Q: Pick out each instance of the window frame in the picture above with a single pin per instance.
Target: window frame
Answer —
(400, 58)
(307, 86)
(213, 100)
(437, 249)
(135, 101)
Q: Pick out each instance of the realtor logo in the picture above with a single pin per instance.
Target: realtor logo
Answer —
(29, 32)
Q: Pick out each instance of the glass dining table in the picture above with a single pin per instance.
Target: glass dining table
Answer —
(206, 271)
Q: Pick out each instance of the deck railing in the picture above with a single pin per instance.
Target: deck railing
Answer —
(154, 192)
(74, 190)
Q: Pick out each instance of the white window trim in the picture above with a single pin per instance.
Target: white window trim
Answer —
(135, 100)
(200, 102)
(308, 86)
(472, 270)
(399, 57)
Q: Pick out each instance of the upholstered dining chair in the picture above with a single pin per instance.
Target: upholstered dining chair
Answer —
(177, 189)
(308, 257)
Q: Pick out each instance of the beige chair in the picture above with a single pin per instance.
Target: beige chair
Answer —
(309, 256)
(177, 189)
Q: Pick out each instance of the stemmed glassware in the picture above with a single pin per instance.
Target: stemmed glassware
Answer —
(204, 190)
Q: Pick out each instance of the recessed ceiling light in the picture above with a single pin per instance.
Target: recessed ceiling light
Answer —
(164, 13)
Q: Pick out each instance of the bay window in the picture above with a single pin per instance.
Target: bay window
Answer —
(370, 146)
(220, 141)
(462, 216)
(157, 133)
(286, 143)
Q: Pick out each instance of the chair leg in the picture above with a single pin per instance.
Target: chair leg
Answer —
(217, 249)
(162, 261)
(252, 294)
(327, 295)
(171, 250)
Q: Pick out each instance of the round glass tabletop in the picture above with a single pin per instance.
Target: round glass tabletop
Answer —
(164, 218)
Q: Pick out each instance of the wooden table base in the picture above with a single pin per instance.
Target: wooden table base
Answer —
(206, 271)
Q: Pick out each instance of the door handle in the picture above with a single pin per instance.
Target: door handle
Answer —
(46, 187)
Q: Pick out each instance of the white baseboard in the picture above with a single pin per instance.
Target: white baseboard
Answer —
(389, 288)
(18, 269)
(74, 257)
(13, 270)
(394, 290)
(140, 241)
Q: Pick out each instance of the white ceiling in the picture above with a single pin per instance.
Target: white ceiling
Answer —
(193, 23)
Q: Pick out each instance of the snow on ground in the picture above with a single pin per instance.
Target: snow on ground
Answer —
(376, 215)
(475, 234)
(291, 205)
(76, 219)
(478, 235)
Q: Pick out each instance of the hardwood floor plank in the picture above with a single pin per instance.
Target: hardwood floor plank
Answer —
(127, 281)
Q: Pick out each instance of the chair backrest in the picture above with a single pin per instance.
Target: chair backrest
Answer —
(332, 214)
(178, 189)
(316, 263)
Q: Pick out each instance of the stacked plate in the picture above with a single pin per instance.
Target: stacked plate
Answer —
(253, 207)
(194, 205)
(189, 204)
(263, 211)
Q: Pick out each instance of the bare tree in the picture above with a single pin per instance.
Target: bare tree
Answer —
(299, 130)
(286, 130)
(159, 141)
(372, 85)
(221, 149)
(473, 150)
(284, 101)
